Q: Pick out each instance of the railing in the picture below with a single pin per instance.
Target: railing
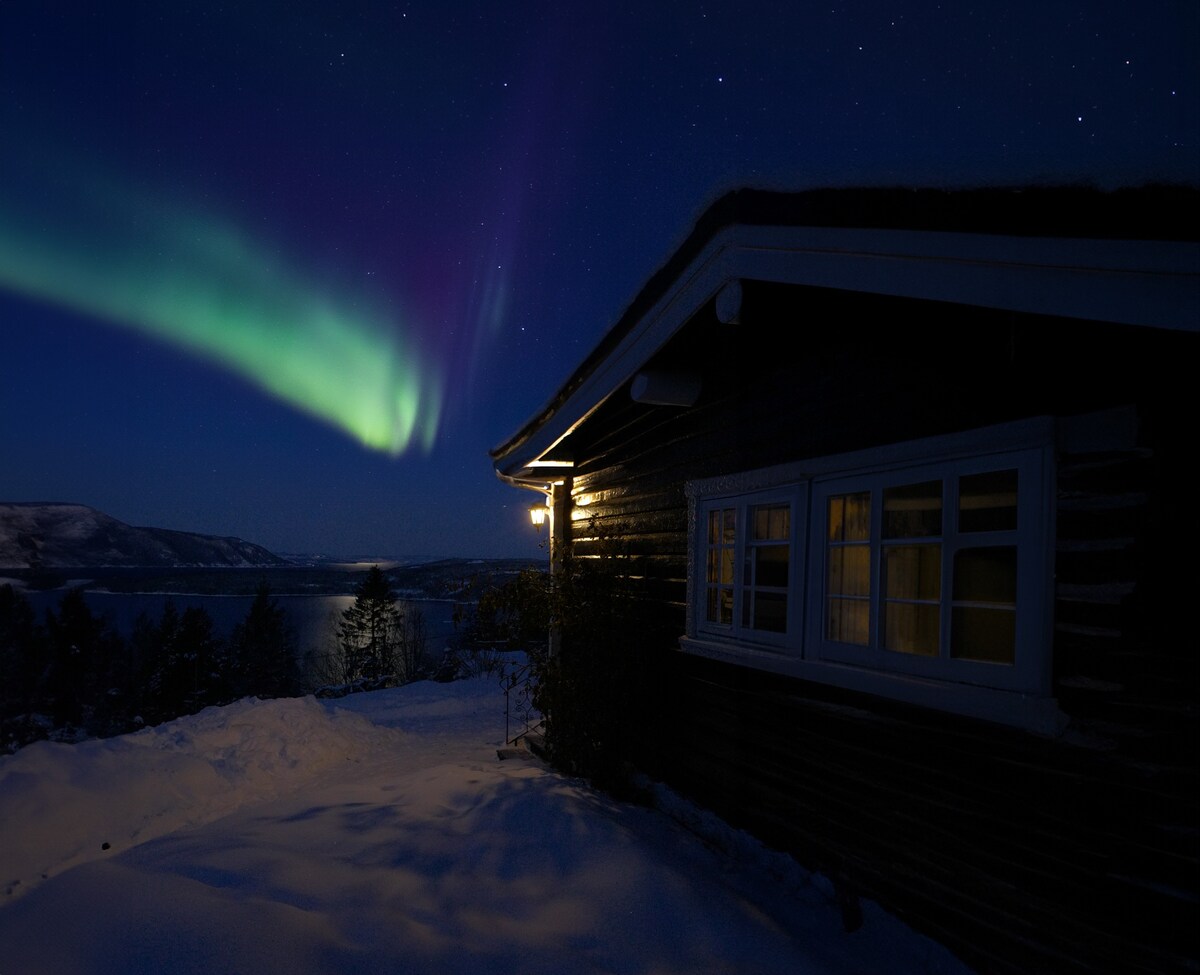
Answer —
(519, 683)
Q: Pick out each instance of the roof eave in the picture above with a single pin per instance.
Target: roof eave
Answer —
(1147, 283)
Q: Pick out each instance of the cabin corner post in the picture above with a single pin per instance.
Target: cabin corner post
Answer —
(560, 544)
(560, 524)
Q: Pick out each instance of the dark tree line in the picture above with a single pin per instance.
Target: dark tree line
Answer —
(73, 674)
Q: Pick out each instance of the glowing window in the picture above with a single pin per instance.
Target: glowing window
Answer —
(748, 559)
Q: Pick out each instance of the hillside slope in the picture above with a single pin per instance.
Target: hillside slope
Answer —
(57, 535)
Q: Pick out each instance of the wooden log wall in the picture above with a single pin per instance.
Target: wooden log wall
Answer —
(1021, 853)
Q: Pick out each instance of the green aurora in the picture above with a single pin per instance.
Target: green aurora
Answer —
(198, 282)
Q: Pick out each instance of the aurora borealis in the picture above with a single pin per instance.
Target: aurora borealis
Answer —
(287, 271)
(205, 285)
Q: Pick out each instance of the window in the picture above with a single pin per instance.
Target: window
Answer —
(921, 571)
(768, 553)
(849, 568)
(921, 566)
(748, 552)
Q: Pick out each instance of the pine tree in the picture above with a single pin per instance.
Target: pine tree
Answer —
(143, 657)
(371, 633)
(164, 677)
(186, 673)
(263, 647)
(201, 653)
(22, 662)
(81, 650)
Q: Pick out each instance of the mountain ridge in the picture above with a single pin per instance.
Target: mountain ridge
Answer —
(64, 534)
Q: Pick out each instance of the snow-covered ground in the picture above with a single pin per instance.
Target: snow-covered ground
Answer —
(380, 833)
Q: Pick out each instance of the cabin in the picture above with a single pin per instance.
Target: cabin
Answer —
(905, 477)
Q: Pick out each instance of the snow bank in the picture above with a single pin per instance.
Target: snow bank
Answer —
(73, 803)
(380, 832)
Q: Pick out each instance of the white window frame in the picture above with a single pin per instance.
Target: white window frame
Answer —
(795, 496)
(1017, 694)
(1025, 673)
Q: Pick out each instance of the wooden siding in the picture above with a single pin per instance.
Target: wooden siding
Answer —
(1019, 852)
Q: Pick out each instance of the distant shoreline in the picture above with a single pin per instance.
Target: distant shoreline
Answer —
(446, 580)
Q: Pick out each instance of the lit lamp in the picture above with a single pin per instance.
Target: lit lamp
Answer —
(537, 515)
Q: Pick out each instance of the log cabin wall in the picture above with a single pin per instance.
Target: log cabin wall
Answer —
(1021, 852)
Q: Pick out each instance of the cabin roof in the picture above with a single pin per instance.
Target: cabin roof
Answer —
(1127, 255)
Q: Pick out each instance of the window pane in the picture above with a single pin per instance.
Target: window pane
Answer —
(714, 527)
(912, 510)
(837, 518)
(987, 502)
(849, 620)
(725, 598)
(980, 633)
(728, 526)
(850, 517)
(781, 521)
(850, 570)
(912, 628)
(771, 566)
(986, 575)
(711, 572)
(987, 632)
(726, 565)
(720, 605)
(913, 571)
(771, 522)
(770, 611)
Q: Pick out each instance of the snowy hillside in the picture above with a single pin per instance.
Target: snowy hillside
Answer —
(55, 535)
(381, 833)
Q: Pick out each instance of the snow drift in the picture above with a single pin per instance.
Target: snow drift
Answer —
(381, 833)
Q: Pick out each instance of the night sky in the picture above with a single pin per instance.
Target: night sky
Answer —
(288, 270)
